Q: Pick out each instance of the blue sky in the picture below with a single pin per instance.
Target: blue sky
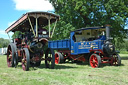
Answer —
(11, 10)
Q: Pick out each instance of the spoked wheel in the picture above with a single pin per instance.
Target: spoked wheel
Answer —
(25, 59)
(95, 61)
(59, 58)
(10, 55)
(116, 60)
(49, 59)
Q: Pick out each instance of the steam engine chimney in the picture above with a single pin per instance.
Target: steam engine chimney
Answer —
(107, 31)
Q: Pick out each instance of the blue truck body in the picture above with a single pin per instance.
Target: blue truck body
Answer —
(91, 44)
(77, 47)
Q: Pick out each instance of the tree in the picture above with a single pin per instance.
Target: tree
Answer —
(85, 13)
(4, 42)
(17, 34)
(62, 31)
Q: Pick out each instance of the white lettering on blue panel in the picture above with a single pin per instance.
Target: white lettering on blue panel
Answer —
(87, 45)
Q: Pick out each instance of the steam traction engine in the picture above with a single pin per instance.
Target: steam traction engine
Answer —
(91, 43)
(32, 32)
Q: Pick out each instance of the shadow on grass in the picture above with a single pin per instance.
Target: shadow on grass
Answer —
(62, 66)
(82, 63)
(42, 66)
(106, 64)
(56, 67)
(78, 62)
(102, 65)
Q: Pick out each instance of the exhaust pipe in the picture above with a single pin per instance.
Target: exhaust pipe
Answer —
(107, 32)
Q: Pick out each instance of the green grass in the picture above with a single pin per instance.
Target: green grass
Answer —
(65, 74)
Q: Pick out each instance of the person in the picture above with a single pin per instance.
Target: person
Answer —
(74, 38)
(102, 33)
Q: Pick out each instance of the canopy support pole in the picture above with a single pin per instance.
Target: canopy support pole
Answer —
(31, 26)
(9, 37)
(36, 27)
(49, 25)
(54, 28)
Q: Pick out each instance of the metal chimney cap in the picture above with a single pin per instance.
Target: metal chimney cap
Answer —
(107, 25)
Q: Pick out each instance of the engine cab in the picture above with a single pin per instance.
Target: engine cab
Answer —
(89, 34)
(94, 38)
(27, 39)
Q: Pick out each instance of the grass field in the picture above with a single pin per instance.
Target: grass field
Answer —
(65, 74)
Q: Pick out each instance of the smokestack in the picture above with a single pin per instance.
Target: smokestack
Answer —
(107, 31)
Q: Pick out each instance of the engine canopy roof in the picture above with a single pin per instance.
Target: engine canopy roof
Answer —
(23, 23)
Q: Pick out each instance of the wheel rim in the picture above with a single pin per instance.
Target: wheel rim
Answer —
(94, 61)
(115, 60)
(9, 57)
(24, 61)
(56, 58)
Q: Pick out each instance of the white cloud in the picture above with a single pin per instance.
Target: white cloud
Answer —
(33, 5)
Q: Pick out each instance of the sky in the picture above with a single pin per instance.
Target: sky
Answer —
(12, 10)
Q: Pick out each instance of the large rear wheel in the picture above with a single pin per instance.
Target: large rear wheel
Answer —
(10, 55)
(49, 59)
(95, 61)
(25, 60)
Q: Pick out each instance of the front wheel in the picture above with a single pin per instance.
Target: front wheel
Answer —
(116, 60)
(95, 61)
(25, 60)
(49, 59)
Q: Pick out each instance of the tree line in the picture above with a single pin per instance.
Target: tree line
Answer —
(4, 42)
